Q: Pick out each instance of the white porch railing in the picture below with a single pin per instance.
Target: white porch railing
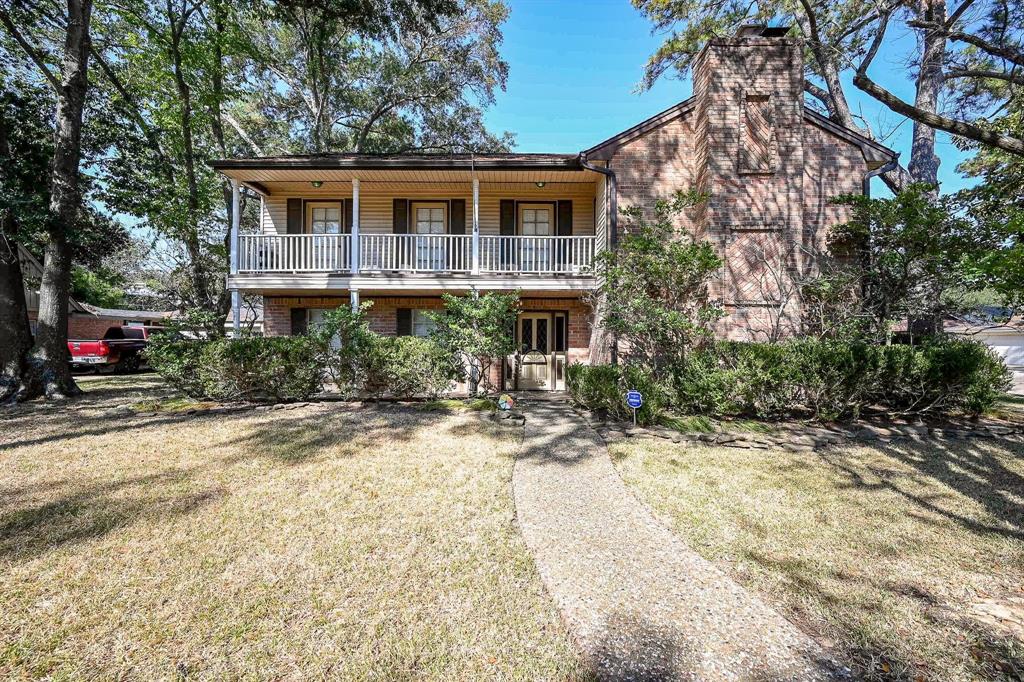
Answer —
(294, 252)
(451, 253)
(543, 255)
(415, 252)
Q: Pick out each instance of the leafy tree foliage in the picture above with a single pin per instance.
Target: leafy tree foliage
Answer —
(417, 89)
(998, 203)
(911, 257)
(654, 287)
(476, 331)
(965, 62)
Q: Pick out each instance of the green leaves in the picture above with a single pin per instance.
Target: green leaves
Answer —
(654, 287)
(476, 330)
(910, 257)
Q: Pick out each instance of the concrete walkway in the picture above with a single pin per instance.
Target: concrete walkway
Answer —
(642, 605)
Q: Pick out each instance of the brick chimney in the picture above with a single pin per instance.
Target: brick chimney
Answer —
(748, 92)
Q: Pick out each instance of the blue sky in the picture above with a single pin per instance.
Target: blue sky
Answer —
(574, 66)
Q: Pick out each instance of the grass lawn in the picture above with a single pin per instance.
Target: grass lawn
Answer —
(324, 541)
(892, 554)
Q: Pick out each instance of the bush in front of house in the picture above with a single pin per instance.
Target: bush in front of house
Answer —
(407, 366)
(602, 389)
(279, 368)
(824, 379)
(342, 350)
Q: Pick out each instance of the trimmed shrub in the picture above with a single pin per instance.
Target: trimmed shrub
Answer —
(602, 388)
(823, 378)
(178, 362)
(406, 367)
(282, 368)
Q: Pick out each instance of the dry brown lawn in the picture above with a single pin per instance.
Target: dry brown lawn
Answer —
(319, 542)
(892, 554)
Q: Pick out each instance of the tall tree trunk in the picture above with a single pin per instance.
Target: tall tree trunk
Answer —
(223, 303)
(200, 281)
(15, 332)
(924, 164)
(49, 369)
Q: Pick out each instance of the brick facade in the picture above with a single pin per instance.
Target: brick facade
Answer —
(383, 315)
(769, 174)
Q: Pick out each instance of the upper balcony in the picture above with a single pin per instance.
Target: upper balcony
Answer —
(419, 224)
(417, 253)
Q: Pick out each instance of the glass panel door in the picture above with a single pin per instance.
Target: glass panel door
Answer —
(535, 221)
(430, 220)
(535, 351)
(324, 219)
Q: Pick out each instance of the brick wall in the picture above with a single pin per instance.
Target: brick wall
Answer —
(769, 174)
(383, 315)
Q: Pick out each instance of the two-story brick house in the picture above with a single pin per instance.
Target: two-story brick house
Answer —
(400, 230)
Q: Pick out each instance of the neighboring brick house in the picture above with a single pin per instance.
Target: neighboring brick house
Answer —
(84, 321)
(400, 230)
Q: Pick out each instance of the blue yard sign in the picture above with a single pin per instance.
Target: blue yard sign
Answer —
(635, 400)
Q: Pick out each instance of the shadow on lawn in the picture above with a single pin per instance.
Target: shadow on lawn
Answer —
(969, 467)
(282, 437)
(991, 654)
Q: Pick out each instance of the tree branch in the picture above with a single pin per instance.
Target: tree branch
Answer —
(950, 125)
(1016, 79)
(134, 111)
(35, 55)
(1005, 51)
(233, 122)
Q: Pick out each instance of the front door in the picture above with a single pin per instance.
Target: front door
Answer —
(430, 220)
(535, 338)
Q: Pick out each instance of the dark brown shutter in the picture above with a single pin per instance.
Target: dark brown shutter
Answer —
(346, 216)
(507, 227)
(563, 228)
(564, 225)
(457, 220)
(508, 217)
(298, 321)
(403, 326)
(295, 216)
(400, 216)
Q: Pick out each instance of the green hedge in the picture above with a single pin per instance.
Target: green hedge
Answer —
(825, 379)
(406, 366)
(278, 368)
(296, 367)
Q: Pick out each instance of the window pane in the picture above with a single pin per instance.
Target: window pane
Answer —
(437, 215)
(332, 214)
(421, 324)
(542, 335)
(527, 339)
(560, 334)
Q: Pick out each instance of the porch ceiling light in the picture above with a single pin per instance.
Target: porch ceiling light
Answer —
(317, 183)
(540, 184)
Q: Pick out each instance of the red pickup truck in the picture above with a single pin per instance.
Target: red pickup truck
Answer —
(119, 350)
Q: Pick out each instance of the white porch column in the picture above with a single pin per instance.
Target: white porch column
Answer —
(236, 312)
(355, 231)
(476, 226)
(353, 299)
(236, 219)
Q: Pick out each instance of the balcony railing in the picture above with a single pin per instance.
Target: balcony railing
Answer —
(294, 252)
(416, 253)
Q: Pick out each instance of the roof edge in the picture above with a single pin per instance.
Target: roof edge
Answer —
(565, 162)
(874, 153)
